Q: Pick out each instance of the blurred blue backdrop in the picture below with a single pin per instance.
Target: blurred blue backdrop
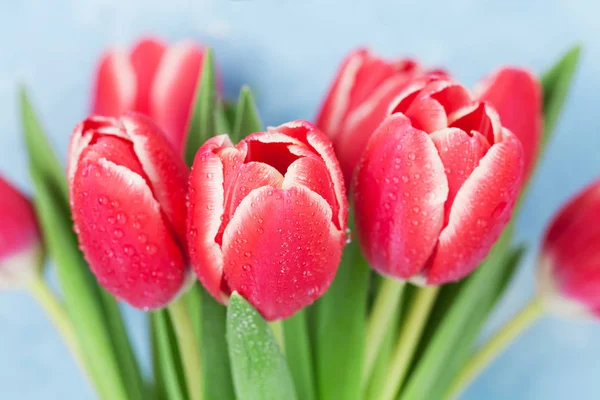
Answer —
(287, 50)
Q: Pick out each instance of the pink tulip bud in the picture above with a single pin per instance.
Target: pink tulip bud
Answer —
(516, 94)
(21, 254)
(358, 100)
(127, 189)
(154, 79)
(569, 267)
(267, 217)
(436, 184)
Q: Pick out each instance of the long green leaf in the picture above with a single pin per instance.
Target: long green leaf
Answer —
(380, 368)
(246, 118)
(167, 363)
(202, 122)
(218, 383)
(556, 83)
(458, 320)
(259, 369)
(340, 329)
(464, 345)
(130, 369)
(299, 355)
(81, 293)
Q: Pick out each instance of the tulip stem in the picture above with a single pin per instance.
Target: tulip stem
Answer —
(495, 345)
(59, 317)
(408, 340)
(188, 347)
(386, 304)
(277, 329)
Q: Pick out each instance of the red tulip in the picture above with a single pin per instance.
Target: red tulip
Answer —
(358, 100)
(127, 189)
(20, 244)
(516, 94)
(436, 183)
(154, 79)
(267, 217)
(569, 277)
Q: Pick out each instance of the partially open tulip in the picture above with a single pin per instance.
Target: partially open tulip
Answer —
(127, 189)
(154, 79)
(569, 273)
(21, 254)
(516, 94)
(267, 217)
(358, 101)
(436, 184)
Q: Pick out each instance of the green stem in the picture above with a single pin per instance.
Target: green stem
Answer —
(386, 304)
(408, 340)
(490, 350)
(59, 317)
(277, 329)
(188, 347)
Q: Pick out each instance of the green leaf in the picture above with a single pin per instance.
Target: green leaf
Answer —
(230, 111)
(130, 368)
(218, 383)
(556, 83)
(193, 300)
(259, 369)
(299, 355)
(222, 124)
(246, 118)
(81, 293)
(167, 363)
(464, 345)
(202, 123)
(380, 368)
(340, 329)
(477, 292)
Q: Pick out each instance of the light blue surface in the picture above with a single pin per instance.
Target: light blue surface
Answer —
(287, 51)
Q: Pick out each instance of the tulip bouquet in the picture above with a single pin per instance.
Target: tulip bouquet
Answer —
(353, 257)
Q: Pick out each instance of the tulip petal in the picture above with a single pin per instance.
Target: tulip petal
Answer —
(460, 154)
(206, 201)
(145, 59)
(337, 102)
(481, 209)
(115, 86)
(517, 96)
(239, 183)
(123, 235)
(311, 172)
(166, 170)
(173, 91)
(478, 117)
(281, 250)
(362, 121)
(19, 229)
(318, 141)
(400, 191)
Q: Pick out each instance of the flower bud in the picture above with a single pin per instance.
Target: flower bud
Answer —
(154, 79)
(569, 265)
(127, 190)
(21, 252)
(436, 184)
(267, 217)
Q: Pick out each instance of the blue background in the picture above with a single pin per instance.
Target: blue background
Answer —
(287, 51)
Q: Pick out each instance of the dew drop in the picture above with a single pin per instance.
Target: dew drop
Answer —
(118, 233)
(121, 218)
(151, 248)
(102, 200)
(142, 238)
